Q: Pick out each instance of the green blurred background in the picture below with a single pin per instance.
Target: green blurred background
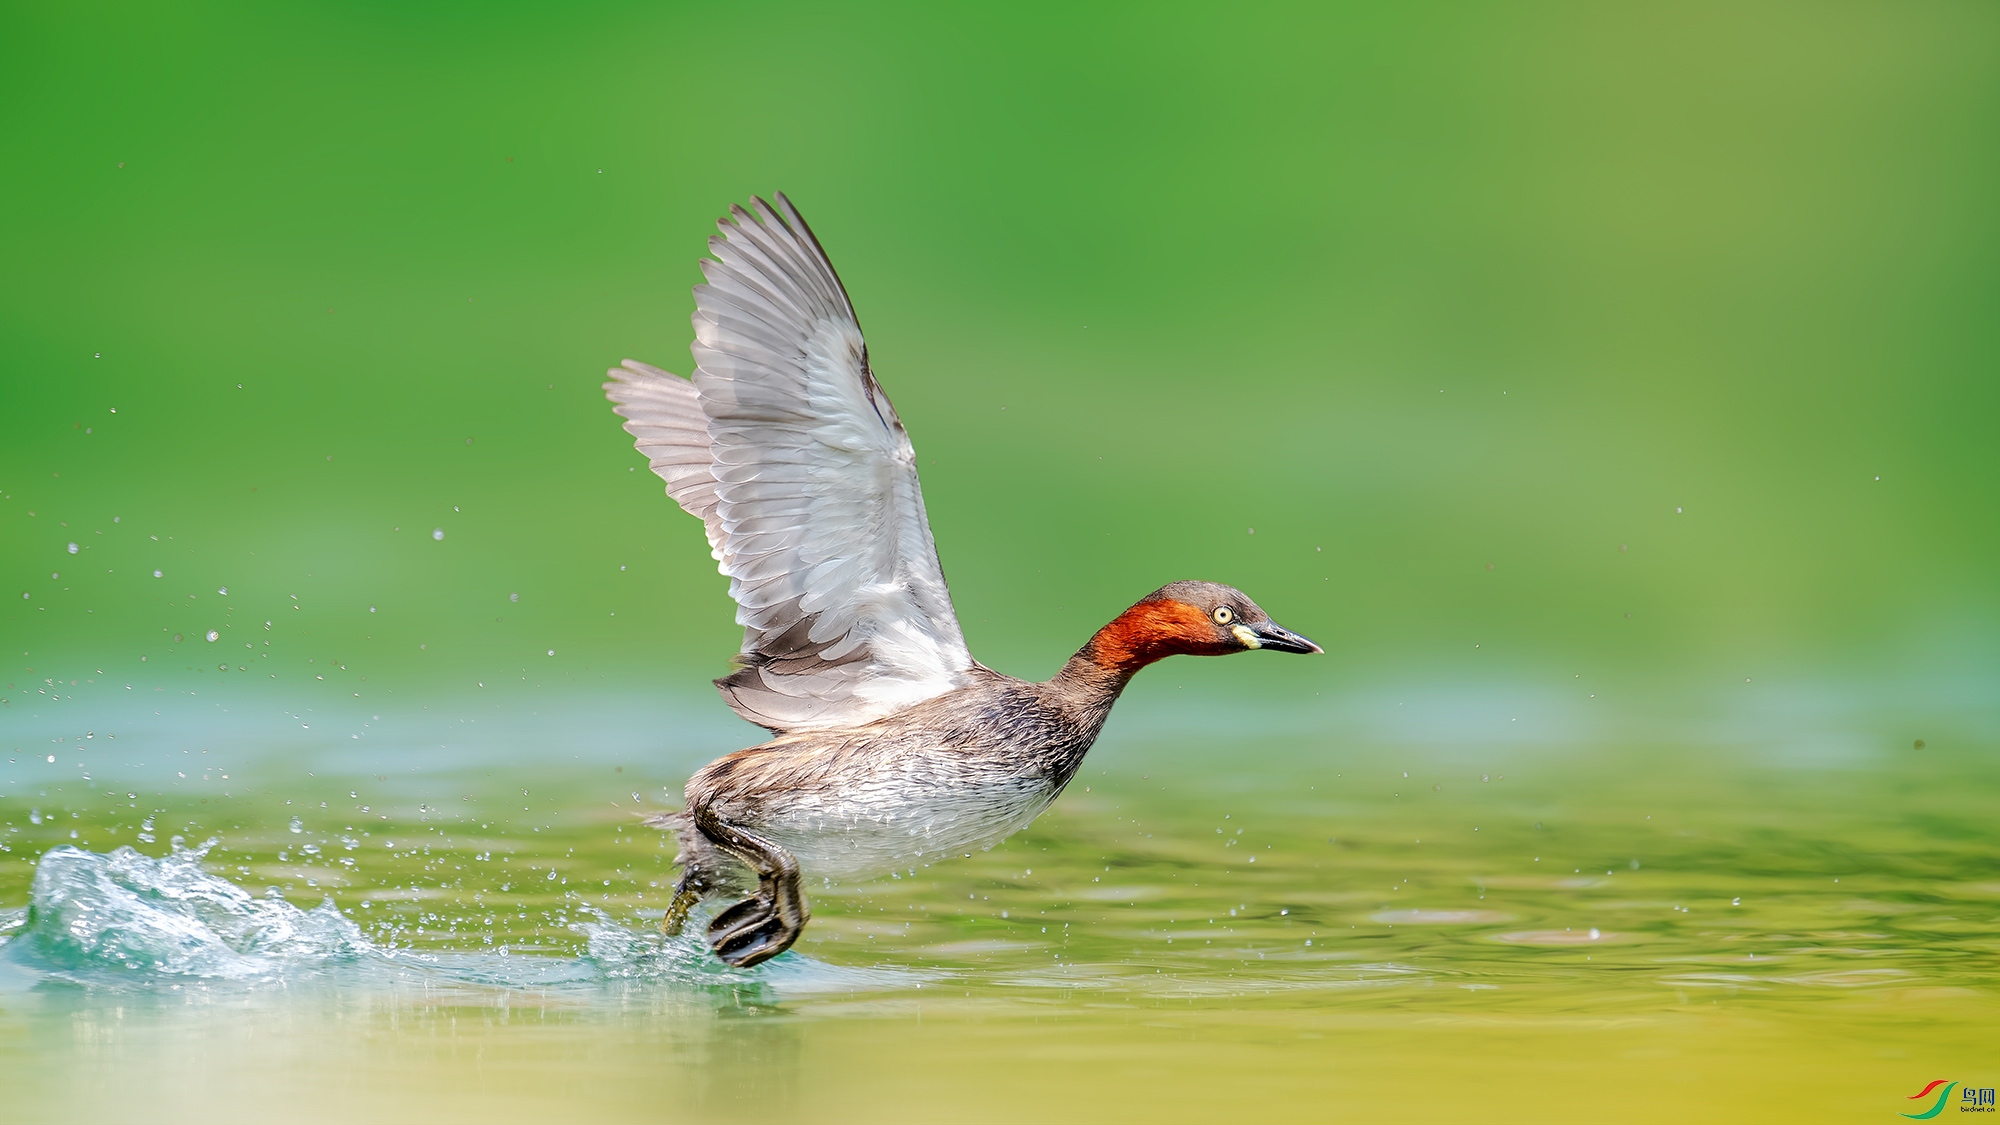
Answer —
(1658, 347)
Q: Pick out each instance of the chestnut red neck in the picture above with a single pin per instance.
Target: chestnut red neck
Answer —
(1149, 631)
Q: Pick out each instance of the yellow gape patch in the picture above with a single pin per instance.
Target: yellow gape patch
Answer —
(1248, 638)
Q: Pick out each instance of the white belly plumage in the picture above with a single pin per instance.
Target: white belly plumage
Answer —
(870, 830)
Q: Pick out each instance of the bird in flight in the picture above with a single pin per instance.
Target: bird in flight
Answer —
(890, 744)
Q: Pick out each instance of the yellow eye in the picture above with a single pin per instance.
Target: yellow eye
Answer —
(1224, 615)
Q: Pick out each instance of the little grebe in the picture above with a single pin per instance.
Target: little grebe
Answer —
(892, 744)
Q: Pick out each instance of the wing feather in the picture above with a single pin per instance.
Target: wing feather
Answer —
(664, 416)
(789, 450)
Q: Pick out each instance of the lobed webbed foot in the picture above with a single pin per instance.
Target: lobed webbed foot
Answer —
(766, 924)
(751, 932)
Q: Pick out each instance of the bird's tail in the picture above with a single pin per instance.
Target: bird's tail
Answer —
(681, 825)
(669, 821)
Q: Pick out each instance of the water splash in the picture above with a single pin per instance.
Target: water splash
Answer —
(168, 915)
(129, 919)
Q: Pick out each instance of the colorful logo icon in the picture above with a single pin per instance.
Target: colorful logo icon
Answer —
(1925, 1093)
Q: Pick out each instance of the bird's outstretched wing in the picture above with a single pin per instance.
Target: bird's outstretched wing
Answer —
(790, 452)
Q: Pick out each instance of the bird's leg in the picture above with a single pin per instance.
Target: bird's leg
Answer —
(687, 892)
(767, 923)
(697, 869)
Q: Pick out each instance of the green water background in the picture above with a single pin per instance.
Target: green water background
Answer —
(1412, 294)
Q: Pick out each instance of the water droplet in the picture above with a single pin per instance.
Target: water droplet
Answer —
(213, 635)
(1736, 901)
(552, 652)
(35, 815)
(552, 874)
(1594, 935)
(513, 597)
(223, 590)
(156, 574)
(297, 826)
(72, 548)
(437, 533)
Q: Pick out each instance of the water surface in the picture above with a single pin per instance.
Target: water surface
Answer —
(1318, 921)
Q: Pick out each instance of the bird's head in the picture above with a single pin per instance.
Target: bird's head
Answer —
(1191, 619)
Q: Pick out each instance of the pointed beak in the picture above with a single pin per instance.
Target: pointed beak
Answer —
(1277, 638)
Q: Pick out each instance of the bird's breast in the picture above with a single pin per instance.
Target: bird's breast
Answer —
(889, 823)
